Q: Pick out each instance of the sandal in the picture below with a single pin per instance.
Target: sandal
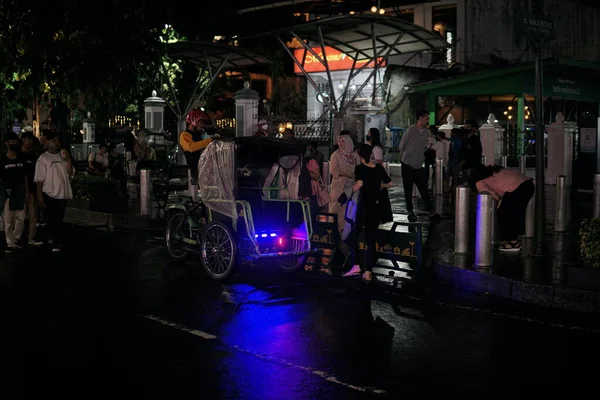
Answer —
(510, 247)
(354, 271)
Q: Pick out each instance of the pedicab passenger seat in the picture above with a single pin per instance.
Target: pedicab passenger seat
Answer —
(249, 189)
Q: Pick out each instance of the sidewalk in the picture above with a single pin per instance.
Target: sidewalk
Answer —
(543, 281)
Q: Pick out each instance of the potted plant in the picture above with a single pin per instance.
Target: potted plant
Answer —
(587, 275)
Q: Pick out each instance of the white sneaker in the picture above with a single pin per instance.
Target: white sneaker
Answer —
(33, 242)
(56, 250)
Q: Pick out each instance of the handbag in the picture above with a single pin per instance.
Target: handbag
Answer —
(323, 197)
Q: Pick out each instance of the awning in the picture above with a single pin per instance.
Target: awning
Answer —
(355, 34)
(362, 37)
(214, 55)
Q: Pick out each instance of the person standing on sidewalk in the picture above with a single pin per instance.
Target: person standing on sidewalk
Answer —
(412, 154)
(371, 180)
(53, 173)
(15, 192)
(30, 155)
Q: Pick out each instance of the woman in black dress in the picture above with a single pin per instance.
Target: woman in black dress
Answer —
(371, 179)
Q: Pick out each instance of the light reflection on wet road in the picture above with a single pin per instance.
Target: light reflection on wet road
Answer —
(79, 325)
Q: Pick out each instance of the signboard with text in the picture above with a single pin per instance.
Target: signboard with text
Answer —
(537, 25)
(587, 140)
(336, 60)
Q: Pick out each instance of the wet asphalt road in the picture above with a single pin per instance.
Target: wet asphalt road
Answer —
(111, 316)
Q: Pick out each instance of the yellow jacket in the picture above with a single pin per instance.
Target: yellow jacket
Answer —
(187, 143)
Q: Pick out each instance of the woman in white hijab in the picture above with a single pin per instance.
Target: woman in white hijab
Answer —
(341, 166)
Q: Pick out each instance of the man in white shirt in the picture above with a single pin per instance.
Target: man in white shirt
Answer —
(53, 172)
(412, 155)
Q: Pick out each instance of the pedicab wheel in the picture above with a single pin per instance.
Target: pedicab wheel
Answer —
(218, 250)
(291, 263)
(176, 248)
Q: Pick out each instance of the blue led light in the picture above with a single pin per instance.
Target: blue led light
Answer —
(273, 235)
(263, 235)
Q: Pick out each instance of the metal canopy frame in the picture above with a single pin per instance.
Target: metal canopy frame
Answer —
(207, 56)
(364, 37)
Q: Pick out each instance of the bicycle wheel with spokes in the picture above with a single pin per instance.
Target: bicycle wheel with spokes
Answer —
(174, 234)
(218, 250)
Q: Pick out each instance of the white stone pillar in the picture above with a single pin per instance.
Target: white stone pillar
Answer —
(246, 111)
(154, 110)
(491, 140)
(89, 129)
(560, 150)
(448, 126)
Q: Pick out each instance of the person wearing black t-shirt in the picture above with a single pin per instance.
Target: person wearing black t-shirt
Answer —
(15, 191)
(371, 179)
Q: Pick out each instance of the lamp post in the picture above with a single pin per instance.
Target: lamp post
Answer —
(538, 28)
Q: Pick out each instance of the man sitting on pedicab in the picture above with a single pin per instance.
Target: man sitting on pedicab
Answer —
(194, 139)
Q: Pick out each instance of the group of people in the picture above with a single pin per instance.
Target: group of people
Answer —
(358, 193)
(461, 156)
(359, 196)
(34, 182)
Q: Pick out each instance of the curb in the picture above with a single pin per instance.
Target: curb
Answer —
(548, 296)
(109, 221)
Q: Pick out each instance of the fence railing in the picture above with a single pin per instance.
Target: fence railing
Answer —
(306, 130)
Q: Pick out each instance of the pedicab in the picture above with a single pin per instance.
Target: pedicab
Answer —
(248, 209)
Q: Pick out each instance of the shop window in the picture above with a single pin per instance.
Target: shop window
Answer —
(444, 22)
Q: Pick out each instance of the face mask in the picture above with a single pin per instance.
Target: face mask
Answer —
(368, 138)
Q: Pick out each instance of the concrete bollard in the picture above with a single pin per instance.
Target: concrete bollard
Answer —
(439, 204)
(145, 192)
(504, 161)
(483, 230)
(431, 181)
(530, 218)
(522, 164)
(597, 195)
(192, 188)
(439, 176)
(461, 224)
(484, 160)
(561, 218)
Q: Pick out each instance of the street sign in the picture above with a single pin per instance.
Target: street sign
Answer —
(537, 25)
